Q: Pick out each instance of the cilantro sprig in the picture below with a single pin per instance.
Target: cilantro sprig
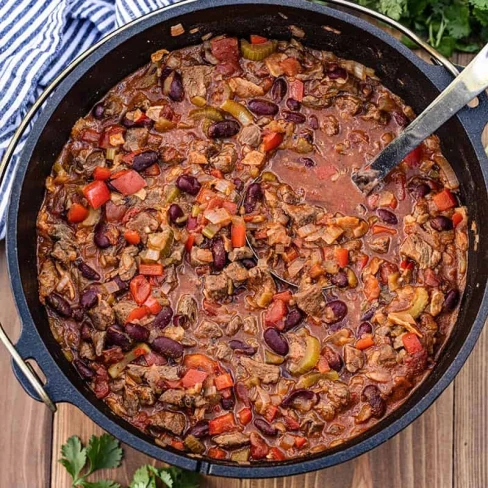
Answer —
(104, 452)
(448, 25)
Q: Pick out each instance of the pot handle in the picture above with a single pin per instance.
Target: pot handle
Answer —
(25, 374)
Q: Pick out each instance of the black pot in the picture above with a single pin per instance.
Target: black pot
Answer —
(126, 50)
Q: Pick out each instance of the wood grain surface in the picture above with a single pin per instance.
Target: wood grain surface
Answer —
(447, 447)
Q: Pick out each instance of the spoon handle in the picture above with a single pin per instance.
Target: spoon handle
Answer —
(470, 83)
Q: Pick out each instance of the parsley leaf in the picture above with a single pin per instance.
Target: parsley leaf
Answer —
(482, 4)
(393, 8)
(103, 452)
(143, 479)
(100, 484)
(74, 456)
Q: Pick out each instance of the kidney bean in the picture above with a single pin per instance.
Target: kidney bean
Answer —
(88, 272)
(137, 332)
(372, 395)
(441, 223)
(340, 279)
(335, 311)
(314, 122)
(387, 269)
(82, 368)
(239, 184)
(253, 195)
(278, 90)
(307, 162)
(218, 253)
(387, 216)
(368, 314)
(295, 117)
(144, 159)
(276, 341)
(266, 428)
(451, 300)
(176, 90)
(336, 72)
(248, 263)
(242, 347)
(163, 318)
(145, 122)
(262, 107)
(224, 129)
(89, 298)
(98, 111)
(78, 314)
(300, 393)
(59, 304)
(333, 358)
(188, 184)
(165, 73)
(100, 236)
(116, 337)
(228, 403)
(400, 118)
(175, 212)
(364, 328)
(418, 190)
(167, 347)
(192, 223)
(293, 104)
(123, 285)
(242, 393)
(294, 317)
(199, 430)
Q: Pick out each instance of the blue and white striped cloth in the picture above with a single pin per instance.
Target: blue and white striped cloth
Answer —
(38, 39)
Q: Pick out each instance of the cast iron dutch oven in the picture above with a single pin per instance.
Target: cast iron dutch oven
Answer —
(129, 48)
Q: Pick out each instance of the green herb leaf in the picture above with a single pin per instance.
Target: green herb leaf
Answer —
(143, 478)
(481, 4)
(74, 456)
(393, 8)
(457, 16)
(100, 484)
(103, 452)
(183, 478)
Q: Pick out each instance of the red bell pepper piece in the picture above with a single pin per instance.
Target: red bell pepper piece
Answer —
(129, 183)
(155, 269)
(224, 423)
(444, 200)
(272, 140)
(97, 193)
(77, 213)
(140, 289)
(411, 343)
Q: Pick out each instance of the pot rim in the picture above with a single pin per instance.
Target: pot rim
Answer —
(64, 389)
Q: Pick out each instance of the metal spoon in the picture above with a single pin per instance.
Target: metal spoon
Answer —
(468, 85)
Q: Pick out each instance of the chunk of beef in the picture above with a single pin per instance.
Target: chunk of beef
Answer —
(244, 88)
(417, 249)
(196, 80)
(208, 330)
(48, 278)
(235, 324)
(94, 159)
(187, 308)
(225, 160)
(380, 245)
(254, 158)
(127, 264)
(200, 257)
(102, 315)
(144, 222)
(348, 104)
(267, 373)
(261, 281)
(311, 300)
(353, 358)
(221, 351)
(216, 286)
(237, 273)
(135, 139)
(64, 251)
(286, 194)
(250, 135)
(145, 395)
(239, 253)
(99, 338)
(171, 421)
(330, 125)
(122, 310)
(233, 439)
(301, 214)
(178, 398)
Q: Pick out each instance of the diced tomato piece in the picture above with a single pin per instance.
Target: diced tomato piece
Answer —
(155, 269)
(114, 213)
(300, 441)
(225, 49)
(380, 229)
(413, 158)
(189, 242)
(245, 415)
(285, 296)
(205, 195)
(90, 135)
(407, 264)
(110, 135)
(297, 90)
(342, 256)
(140, 289)
(270, 413)
(276, 454)
(176, 444)
(272, 140)
(200, 361)
(153, 170)
(136, 314)
(290, 255)
(101, 173)
(457, 218)
(224, 423)
(97, 193)
(217, 453)
(154, 359)
(259, 448)
(193, 377)
(153, 305)
(101, 388)
(291, 423)
(223, 381)
(255, 39)
(411, 343)
(238, 233)
(275, 313)
(231, 207)
(132, 237)
(129, 183)
(216, 173)
(364, 343)
(444, 200)
(371, 288)
(215, 202)
(291, 66)
(77, 213)
(363, 261)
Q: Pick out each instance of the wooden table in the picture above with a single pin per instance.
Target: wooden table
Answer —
(447, 447)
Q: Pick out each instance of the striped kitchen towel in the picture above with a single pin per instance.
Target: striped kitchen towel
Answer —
(39, 38)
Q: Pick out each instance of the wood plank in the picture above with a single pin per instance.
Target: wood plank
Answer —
(25, 424)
